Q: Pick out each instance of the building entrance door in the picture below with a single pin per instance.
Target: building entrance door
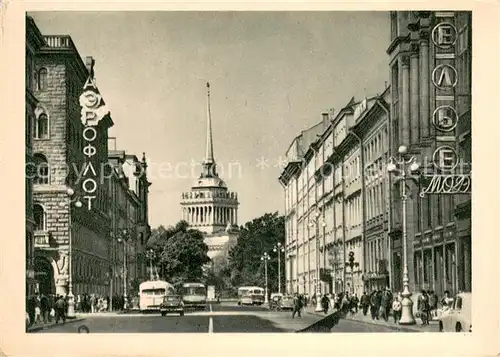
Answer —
(44, 274)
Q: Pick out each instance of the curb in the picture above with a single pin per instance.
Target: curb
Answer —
(47, 327)
(395, 327)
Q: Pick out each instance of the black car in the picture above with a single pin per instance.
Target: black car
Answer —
(172, 303)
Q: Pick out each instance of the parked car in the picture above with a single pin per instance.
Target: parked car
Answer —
(274, 301)
(286, 303)
(172, 303)
(458, 317)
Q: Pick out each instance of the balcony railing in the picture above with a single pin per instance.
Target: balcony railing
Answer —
(59, 41)
(42, 239)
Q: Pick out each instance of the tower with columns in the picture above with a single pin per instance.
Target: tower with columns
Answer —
(209, 206)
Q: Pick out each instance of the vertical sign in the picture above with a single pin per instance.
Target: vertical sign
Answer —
(444, 118)
(93, 110)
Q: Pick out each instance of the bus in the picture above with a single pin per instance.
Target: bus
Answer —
(194, 295)
(151, 294)
(250, 295)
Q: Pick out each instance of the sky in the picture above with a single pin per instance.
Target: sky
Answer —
(271, 75)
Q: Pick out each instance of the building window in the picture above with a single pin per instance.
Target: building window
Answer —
(42, 127)
(39, 217)
(41, 176)
(42, 79)
(394, 25)
(28, 128)
(29, 72)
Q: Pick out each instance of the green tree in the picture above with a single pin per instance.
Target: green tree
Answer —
(180, 253)
(256, 237)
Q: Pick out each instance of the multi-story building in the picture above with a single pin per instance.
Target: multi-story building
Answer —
(210, 207)
(128, 187)
(430, 62)
(324, 178)
(34, 41)
(61, 159)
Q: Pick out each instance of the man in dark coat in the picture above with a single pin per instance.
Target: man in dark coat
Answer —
(365, 302)
(44, 308)
(297, 305)
(60, 309)
(374, 305)
(325, 303)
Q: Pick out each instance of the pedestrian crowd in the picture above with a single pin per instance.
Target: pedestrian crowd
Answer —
(42, 308)
(381, 304)
(51, 308)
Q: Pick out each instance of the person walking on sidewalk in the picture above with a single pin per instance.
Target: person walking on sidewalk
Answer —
(385, 304)
(423, 307)
(60, 308)
(325, 303)
(396, 309)
(297, 305)
(374, 305)
(44, 308)
(365, 302)
(354, 304)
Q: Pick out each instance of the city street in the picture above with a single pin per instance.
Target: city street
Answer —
(224, 318)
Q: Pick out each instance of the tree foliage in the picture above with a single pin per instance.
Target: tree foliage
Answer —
(245, 266)
(179, 253)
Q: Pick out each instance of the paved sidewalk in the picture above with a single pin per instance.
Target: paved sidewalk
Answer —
(418, 327)
(42, 326)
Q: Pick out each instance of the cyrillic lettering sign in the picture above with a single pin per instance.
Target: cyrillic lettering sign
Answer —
(445, 184)
(93, 110)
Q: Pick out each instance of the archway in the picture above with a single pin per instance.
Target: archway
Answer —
(44, 274)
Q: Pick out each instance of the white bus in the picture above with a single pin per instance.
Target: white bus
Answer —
(250, 295)
(194, 295)
(151, 294)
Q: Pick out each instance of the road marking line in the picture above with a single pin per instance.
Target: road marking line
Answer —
(210, 325)
(210, 307)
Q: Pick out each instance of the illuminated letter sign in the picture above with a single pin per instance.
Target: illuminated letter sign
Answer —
(93, 110)
(444, 35)
(446, 184)
(444, 118)
(445, 158)
(444, 76)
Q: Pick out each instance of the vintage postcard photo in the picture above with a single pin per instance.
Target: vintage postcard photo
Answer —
(261, 173)
(143, 212)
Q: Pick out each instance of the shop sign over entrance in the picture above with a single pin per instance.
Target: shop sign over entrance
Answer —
(445, 77)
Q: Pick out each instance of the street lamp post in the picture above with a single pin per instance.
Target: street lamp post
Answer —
(316, 221)
(123, 239)
(278, 248)
(71, 298)
(406, 303)
(265, 257)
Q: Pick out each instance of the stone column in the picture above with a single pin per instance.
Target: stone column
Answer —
(424, 86)
(415, 122)
(405, 120)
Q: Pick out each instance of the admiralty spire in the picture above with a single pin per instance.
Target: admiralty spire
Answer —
(209, 206)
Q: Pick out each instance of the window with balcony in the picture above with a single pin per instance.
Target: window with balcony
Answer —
(42, 127)
(42, 79)
(41, 175)
(39, 217)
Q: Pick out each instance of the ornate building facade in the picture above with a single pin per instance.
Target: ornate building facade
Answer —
(86, 199)
(210, 207)
(430, 62)
(335, 171)
(34, 41)
(128, 187)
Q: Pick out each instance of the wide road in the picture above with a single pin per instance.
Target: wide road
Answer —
(224, 318)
